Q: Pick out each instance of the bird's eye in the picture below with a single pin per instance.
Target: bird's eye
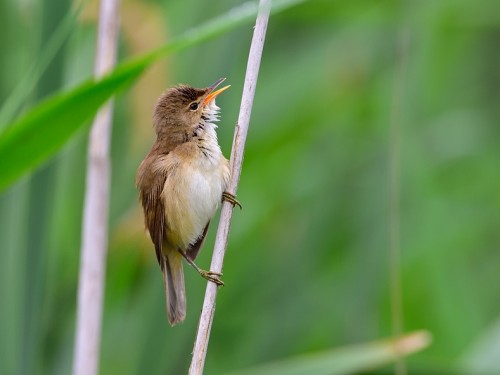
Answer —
(193, 106)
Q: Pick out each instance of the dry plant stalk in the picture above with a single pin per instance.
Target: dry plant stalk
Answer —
(207, 314)
(95, 220)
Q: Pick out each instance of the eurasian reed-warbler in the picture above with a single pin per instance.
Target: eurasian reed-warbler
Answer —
(181, 182)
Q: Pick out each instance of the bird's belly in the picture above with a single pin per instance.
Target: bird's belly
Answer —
(194, 195)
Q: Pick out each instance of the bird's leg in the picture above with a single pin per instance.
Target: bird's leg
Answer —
(228, 197)
(208, 275)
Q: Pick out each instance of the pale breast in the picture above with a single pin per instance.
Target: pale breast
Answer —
(192, 194)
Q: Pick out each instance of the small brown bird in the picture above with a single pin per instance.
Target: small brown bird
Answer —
(181, 183)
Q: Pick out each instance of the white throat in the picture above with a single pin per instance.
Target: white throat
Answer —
(205, 134)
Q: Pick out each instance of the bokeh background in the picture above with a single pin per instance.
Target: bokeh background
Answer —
(308, 264)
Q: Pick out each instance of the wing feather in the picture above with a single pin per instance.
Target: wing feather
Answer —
(150, 183)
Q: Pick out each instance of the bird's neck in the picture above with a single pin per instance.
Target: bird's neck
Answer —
(205, 138)
(203, 135)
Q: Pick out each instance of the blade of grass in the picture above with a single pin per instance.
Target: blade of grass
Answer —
(32, 76)
(13, 275)
(42, 131)
(396, 287)
(347, 360)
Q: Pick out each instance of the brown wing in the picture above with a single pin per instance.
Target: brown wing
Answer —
(150, 185)
(193, 249)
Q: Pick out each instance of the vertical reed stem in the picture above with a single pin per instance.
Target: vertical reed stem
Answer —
(207, 314)
(95, 220)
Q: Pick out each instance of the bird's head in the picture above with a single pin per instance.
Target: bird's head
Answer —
(181, 109)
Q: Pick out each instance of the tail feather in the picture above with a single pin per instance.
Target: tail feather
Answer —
(173, 277)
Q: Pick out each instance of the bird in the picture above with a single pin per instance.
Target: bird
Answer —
(181, 182)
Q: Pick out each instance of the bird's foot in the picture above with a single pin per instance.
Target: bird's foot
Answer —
(212, 276)
(228, 197)
(207, 275)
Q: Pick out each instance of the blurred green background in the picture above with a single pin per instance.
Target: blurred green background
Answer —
(308, 262)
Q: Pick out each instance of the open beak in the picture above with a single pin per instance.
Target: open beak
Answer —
(213, 94)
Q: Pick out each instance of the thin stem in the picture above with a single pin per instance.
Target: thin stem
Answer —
(95, 220)
(208, 311)
(394, 196)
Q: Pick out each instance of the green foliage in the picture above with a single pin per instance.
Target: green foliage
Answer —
(308, 262)
(348, 360)
(45, 129)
